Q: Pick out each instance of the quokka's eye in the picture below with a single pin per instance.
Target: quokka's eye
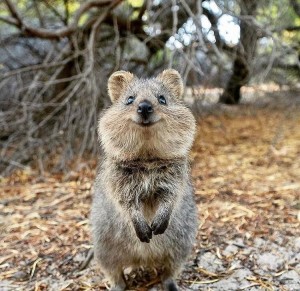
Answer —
(162, 100)
(130, 100)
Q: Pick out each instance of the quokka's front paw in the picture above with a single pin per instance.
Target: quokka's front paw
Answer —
(143, 231)
(159, 224)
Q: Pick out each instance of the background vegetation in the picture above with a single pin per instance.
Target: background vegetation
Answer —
(56, 56)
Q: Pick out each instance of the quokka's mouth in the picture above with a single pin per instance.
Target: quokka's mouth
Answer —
(145, 122)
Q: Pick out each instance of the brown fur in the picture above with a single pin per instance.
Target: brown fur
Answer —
(143, 211)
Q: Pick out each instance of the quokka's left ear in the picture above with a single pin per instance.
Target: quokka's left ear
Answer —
(117, 84)
(173, 82)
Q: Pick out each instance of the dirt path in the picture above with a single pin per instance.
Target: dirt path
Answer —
(246, 169)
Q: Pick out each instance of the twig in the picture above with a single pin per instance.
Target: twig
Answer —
(87, 260)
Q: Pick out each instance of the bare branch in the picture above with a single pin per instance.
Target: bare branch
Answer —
(55, 12)
(67, 13)
(38, 12)
(296, 6)
(9, 20)
(142, 10)
(14, 12)
(61, 32)
(287, 28)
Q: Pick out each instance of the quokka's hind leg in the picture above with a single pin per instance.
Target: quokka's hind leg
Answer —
(168, 279)
(170, 285)
(116, 279)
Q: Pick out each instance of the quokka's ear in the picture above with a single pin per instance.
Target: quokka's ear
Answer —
(117, 83)
(172, 80)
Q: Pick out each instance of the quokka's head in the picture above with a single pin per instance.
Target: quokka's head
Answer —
(147, 118)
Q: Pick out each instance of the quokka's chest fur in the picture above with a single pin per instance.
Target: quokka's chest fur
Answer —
(145, 180)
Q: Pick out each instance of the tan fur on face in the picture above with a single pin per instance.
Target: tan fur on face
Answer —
(170, 137)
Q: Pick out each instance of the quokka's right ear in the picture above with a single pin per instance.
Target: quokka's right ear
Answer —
(117, 83)
(172, 80)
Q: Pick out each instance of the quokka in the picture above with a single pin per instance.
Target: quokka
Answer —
(143, 211)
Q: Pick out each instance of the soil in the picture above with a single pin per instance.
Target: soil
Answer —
(246, 169)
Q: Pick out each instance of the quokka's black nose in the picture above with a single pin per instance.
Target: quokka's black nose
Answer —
(145, 109)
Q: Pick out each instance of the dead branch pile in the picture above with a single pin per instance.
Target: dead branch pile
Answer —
(53, 105)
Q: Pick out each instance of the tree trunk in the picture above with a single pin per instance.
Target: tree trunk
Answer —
(245, 52)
